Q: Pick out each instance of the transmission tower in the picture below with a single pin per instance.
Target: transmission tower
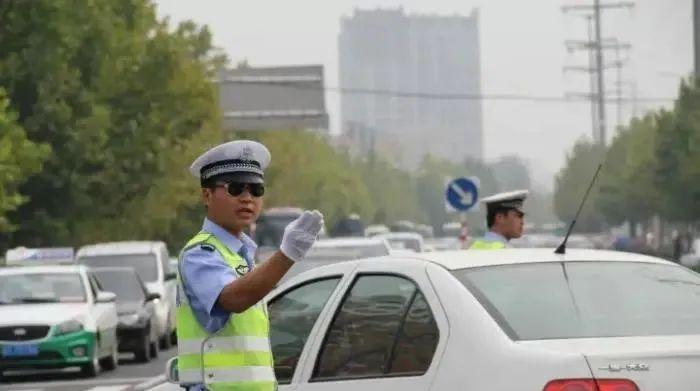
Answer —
(596, 45)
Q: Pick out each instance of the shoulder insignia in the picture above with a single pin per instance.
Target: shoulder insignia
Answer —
(207, 247)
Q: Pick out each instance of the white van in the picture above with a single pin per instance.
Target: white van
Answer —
(150, 260)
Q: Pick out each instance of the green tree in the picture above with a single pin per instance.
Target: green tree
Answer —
(393, 192)
(677, 151)
(511, 172)
(19, 158)
(571, 183)
(627, 190)
(307, 172)
(125, 102)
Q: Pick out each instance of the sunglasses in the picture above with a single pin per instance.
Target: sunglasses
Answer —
(237, 188)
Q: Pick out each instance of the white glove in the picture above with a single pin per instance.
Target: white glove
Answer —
(301, 234)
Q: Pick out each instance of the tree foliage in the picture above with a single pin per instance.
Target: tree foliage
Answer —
(677, 149)
(571, 184)
(652, 168)
(19, 158)
(627, 190)
(123, 101)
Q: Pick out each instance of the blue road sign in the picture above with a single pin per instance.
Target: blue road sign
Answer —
(462, 194)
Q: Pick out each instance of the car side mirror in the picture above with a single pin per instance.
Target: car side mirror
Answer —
(106, 297)
(170, 276)
(171, 374)
(152, 296)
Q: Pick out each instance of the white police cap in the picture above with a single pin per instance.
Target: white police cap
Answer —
(243, 158)
(508, 200)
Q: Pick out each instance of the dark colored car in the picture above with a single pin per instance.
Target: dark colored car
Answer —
(271, 224)
(136, 331)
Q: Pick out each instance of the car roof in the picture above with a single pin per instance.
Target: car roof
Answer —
(348, 242)
(462, 259)
(127, 247)
(68, 269)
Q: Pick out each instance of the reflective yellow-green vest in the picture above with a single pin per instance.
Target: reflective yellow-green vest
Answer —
(238, 357)
(481, 244)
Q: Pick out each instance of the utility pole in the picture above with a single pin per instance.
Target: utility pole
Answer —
(591, 70)
(597, 45)
(618, 65)
(600, 84)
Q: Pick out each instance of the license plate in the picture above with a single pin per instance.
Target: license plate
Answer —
(26, 350)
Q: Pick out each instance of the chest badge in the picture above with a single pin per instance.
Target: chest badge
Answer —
(242, 269)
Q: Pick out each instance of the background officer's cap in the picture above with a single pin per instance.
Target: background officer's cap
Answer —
(240, 160)
(509, 200)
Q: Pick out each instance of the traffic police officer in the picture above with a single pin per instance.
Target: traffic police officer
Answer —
(222, 325)
(504, 218)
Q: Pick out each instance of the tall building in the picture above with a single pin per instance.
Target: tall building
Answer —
(385, 51)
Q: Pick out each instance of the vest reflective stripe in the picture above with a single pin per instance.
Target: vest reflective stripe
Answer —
(222, 344)
(481, 244)
(248, 323)
(238, 374)
(220, 360)
(236, 358)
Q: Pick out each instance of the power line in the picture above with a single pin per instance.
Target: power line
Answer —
(439, 96)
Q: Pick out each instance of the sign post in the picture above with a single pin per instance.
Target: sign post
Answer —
(462, 195)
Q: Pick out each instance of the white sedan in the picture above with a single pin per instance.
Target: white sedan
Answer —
(56, 317)
(515, 319)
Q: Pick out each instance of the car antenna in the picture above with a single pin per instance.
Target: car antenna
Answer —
(562, 247)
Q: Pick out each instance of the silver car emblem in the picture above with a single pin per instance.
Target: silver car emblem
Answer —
(20, 332)
(631, 367)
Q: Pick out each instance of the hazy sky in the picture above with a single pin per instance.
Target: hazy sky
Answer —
(522, 52)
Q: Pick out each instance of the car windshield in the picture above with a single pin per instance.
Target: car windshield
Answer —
(588, 299)
(145, 265)
(124, 284)
(345, 253)
(41, 288)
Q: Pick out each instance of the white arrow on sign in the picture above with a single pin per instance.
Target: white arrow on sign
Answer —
(466, 198)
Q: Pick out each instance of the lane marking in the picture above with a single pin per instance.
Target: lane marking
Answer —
(155, 380)
(50, 384)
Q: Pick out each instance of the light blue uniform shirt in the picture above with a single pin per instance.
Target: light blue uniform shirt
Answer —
(205, 273)
(491, 236)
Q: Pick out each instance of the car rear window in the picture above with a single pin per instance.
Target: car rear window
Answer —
(124, 284)
(588, 299)
(145, 265)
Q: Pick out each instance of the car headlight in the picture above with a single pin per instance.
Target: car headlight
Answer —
(67, 327)
(133, 319)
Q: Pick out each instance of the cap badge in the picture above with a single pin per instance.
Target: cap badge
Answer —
(247, 153)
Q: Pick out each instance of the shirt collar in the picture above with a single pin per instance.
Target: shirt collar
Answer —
(232, 242)
(491, 236)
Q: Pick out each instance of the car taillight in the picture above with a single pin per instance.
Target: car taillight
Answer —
(591, 385)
